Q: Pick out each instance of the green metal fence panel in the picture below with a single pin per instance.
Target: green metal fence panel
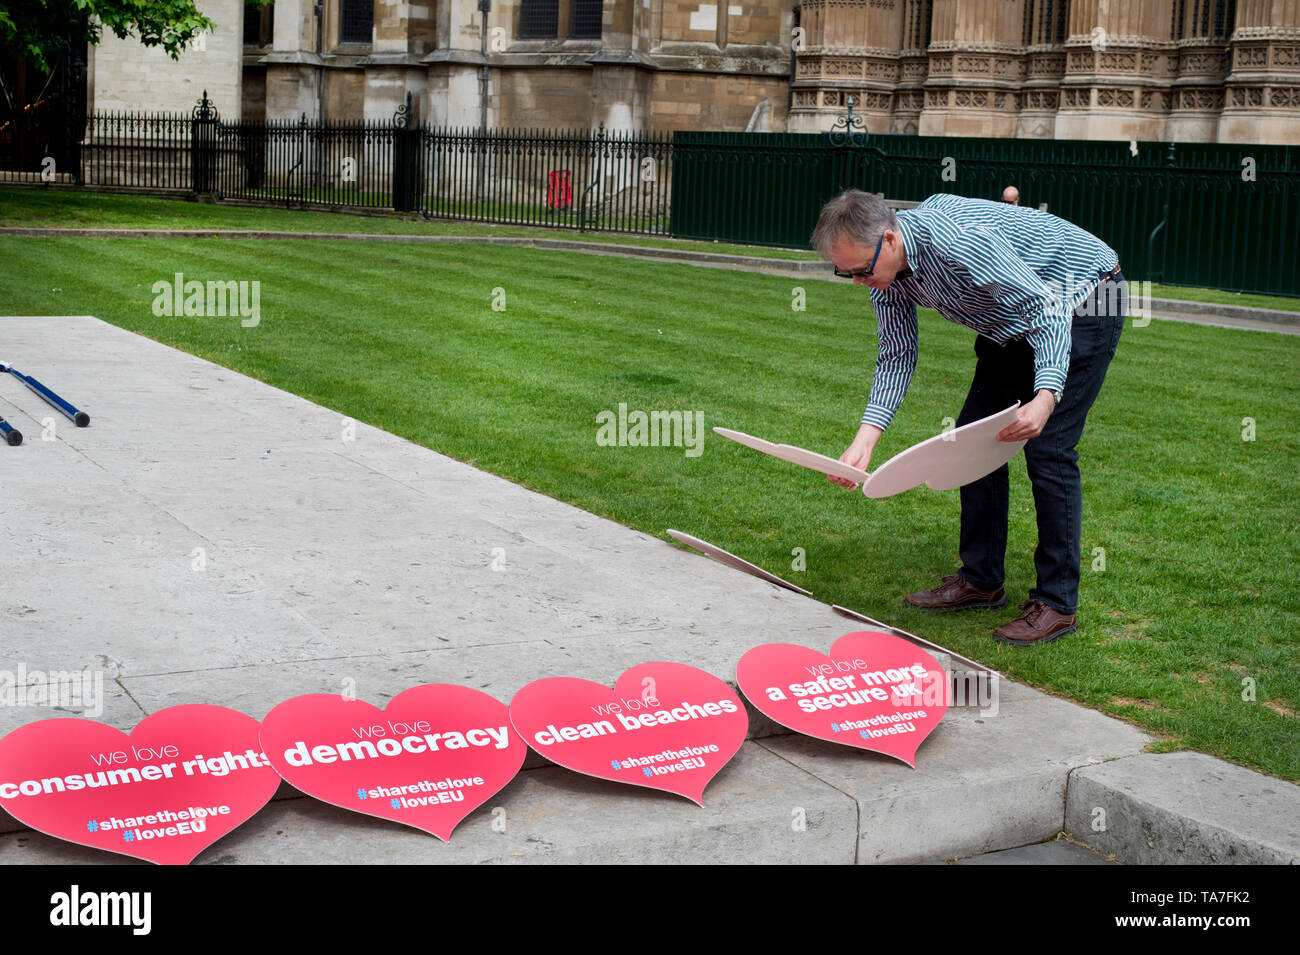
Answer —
(726, 186)
(1217, 215)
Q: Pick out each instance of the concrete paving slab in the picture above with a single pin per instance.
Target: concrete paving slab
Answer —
(148, 614)
(88, 692)
(1184, 808)
(1183, 307)
(375, 677)
(354, 599)
(983, 781)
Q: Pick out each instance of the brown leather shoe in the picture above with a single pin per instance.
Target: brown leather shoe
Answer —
(1037, 623)
(957, 593)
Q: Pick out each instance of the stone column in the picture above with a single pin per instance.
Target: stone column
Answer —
(1196, 99)
(1263, 89)
(292, 66)
(452, 78)
(1119, 69)
(975, 68)
(1040, 92)
(913, 68)
(621, 87)
(851, 48)
(404, 33)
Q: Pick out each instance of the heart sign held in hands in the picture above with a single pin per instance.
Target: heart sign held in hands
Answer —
(428, 759)
(874, 691)
(178, 782)
(666, 726)
(948, 460)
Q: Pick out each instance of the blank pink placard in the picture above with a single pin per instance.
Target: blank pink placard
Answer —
(947, 460)
(796, 455)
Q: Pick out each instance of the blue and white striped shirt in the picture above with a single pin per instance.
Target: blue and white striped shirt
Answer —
(1008, 272)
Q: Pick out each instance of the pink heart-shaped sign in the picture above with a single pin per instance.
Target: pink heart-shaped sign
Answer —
(874, 691)
(428, 759)
(178, 782)
(666, 726)
(948, 460)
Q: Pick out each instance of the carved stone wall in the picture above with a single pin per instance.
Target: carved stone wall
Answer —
(655, 65)
(1262, 88)
(1065, 69)
(1190, 70)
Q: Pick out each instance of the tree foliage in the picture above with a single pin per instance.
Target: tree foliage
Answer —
(39, 30)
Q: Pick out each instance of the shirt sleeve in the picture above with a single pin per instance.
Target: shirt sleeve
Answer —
(996, 267)
(896, 327)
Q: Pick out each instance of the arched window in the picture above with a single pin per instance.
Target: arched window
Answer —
(1051, 21)
(1210, 18)
(259, 24)
(916, 24)
(1044, 22)
(357, 21)
(585, 17)
(1225, 17)
(538, 19)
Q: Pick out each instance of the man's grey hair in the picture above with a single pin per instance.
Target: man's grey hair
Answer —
(853, 214)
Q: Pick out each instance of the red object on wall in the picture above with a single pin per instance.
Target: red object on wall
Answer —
(559, 189)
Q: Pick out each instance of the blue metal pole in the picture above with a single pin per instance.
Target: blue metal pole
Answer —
(11, 434)
(79, 418)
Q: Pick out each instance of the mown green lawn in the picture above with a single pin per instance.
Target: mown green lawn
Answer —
(66, 208)
(1197, 600)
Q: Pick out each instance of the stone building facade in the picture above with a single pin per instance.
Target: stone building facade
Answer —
(644, 65)
(125, 76)
(1188, 70)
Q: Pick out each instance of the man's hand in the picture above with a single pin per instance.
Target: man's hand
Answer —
(858, 454)
(1031, 419)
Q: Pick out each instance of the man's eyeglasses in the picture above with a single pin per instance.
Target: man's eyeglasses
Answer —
(867, 274)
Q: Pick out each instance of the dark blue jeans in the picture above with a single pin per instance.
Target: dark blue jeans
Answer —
(1003, 375)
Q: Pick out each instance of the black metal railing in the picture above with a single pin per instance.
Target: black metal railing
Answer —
(578, 179)
(302, 163)
(585, 180)
(146, 151)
